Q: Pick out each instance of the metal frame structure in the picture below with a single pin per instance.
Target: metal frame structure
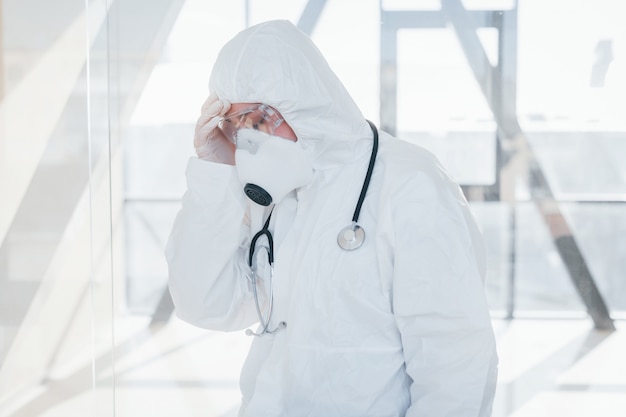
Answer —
(498, 86)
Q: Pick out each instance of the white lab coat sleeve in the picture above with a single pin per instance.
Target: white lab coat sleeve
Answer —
(205, 251)
(439, 303)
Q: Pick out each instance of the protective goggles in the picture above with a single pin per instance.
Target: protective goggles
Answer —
(257, 116)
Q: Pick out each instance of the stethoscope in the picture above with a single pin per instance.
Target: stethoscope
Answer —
(350, 238)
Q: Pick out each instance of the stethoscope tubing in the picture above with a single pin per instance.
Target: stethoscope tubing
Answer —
(368, 175)
(264, 319)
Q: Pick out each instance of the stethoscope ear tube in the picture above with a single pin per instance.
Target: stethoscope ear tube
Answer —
(352, 236)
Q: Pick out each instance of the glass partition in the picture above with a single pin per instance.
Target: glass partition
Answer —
(56, 307)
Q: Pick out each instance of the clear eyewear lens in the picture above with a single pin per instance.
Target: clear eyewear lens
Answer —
(259, 117)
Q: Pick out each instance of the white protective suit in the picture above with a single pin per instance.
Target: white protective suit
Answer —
(397, 327)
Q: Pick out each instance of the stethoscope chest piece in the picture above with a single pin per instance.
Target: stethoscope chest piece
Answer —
(351, 237)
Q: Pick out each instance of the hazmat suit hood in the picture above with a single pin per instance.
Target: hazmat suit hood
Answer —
(277, 64)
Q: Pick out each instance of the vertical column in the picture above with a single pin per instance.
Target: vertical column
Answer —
(507, 70)
(388, 74)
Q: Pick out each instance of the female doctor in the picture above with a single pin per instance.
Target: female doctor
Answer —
(350, 256)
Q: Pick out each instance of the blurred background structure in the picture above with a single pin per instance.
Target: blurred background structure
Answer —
(524, 102)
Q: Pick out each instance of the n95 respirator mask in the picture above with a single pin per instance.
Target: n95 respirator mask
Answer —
(269, 166)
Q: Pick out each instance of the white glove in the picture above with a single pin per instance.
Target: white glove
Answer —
(209, 142)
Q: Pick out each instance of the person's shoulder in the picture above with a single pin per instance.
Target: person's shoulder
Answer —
(412, 173)
(403, 160)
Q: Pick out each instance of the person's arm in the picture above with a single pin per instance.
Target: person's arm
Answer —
(206, 250)
(440, 306)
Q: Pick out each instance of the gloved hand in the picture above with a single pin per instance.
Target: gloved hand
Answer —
(209, 142)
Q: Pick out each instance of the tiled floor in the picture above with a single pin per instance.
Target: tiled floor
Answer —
(548, 368)
(560, 368)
